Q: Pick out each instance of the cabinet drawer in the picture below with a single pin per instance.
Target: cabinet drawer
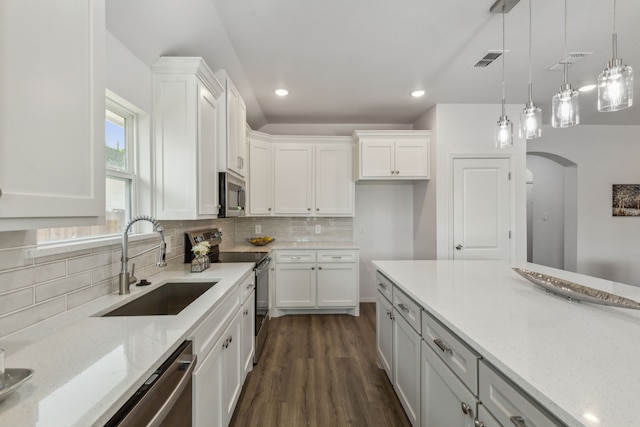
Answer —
(295, 256)
(211, 328)
(247, 285)
(508, 404)
(407, 308)
(461, 359)
(385, 286)
(337, 256)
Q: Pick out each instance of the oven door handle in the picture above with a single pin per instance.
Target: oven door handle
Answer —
(186, 365)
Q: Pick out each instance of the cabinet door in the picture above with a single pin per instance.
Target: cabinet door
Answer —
(208, 390)
(232, 367)
(234, 161)
(295, 285)
(337, 285)
(384, 335)
(334, 184)
(445, 399)
(377, 158)
(242, 137)
(293, 177)
(412, 158)
(207, 161)
(248, 334)
(406, 366)
(260, 178)
(52, 165)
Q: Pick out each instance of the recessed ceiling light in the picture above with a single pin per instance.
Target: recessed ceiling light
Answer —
(417, 93)
(587, 88)
(282, 92)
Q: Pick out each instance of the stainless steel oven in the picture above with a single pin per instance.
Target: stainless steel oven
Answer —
(165, 398)
(232, 196)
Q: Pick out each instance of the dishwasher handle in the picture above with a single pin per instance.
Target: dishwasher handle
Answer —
(185, 364)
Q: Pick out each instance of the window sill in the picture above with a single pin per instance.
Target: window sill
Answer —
(61, 248)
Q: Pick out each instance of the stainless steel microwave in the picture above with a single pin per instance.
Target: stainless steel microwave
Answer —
(232, 196)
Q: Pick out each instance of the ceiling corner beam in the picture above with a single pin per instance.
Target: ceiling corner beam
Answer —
(503, 6)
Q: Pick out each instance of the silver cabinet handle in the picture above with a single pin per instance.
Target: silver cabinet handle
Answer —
(397, 172)
(392, 172)
(403, 307)
(313, 268)
(295, 257)
(230, 338)
(309, 209)
(466, 409)
(319, 268)
(382, 285)
(459, 247)
(0, 192)
(250, 285)
(442, 346)
(478, 423)
(336, 257)
(269, 209)
(317, 209)
(518, 421)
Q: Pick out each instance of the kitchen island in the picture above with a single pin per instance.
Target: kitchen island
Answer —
(578, 360)
(87, 366)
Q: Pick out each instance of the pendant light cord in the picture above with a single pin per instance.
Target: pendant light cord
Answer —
(503, 53)
(530, 79)
(566, 72)
(614, 38)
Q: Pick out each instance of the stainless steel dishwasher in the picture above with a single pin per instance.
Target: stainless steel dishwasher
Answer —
(165, 398)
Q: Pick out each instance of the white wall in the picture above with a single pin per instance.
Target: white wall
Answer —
(330, 129)
(382, 227)
(425, 226)
(466, 130)
(607, 246)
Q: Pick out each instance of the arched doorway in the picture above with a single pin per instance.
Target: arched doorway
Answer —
(551, 211)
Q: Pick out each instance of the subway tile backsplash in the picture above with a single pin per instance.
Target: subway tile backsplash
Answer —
(35, 289)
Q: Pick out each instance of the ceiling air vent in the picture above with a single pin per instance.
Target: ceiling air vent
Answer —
(488, 59)
(570, 59)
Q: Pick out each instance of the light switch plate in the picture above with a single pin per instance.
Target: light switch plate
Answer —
(258, 229)
(318, 229)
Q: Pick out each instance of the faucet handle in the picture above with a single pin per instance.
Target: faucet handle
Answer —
(132, 277)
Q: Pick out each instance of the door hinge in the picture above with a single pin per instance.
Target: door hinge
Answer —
(509, 233)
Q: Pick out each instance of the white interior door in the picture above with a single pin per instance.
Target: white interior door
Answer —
(481, 220)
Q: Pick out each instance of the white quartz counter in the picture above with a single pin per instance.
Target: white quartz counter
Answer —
(86, 367)
(579, 360)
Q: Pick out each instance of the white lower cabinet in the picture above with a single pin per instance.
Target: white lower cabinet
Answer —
(445, 399)
(406, 366)
(484, 418)
(384, 334)
(248, 334)
(322, 279)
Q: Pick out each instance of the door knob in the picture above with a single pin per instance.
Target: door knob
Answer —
(459, 247)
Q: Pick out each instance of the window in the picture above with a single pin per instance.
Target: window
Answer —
(120, 131)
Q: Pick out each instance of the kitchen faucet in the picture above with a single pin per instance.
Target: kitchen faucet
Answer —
(126, 278)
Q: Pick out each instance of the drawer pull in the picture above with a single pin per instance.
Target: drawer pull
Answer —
(295, 257)
(250, 285)
(442, 347)
(383, 286)
(466, 409)
(336, 257)
(403, 307)
(478, 423)
(518, 421)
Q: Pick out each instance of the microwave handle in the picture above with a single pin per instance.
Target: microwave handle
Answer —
(241, 199)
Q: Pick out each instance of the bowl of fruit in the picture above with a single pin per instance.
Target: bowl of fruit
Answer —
(260, 241)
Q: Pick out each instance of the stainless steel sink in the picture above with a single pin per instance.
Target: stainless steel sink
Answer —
(169, 299)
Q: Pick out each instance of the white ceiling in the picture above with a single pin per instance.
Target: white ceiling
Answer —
(356, 61)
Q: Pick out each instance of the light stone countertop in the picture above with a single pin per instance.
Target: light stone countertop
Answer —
(579, 360)
(277, 245)
(86, 367)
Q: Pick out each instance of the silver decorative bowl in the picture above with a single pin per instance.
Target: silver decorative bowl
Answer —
(573, 291)
(13, 380)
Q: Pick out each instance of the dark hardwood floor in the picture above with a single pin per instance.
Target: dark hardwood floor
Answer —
(320, 370)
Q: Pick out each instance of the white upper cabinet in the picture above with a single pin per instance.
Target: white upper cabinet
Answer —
(393, 155)
(334, 184)
(52, 170)
(233, 128)
(293, 179)
(185, 138)
(300, 176)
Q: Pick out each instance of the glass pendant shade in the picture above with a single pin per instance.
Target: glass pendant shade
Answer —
(615, 87)
(565, 108)
(503, 133)
(531, 122)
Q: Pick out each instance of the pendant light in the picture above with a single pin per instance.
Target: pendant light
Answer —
(531, 116)
(615, 83)
(564, 105)
(504, 128)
